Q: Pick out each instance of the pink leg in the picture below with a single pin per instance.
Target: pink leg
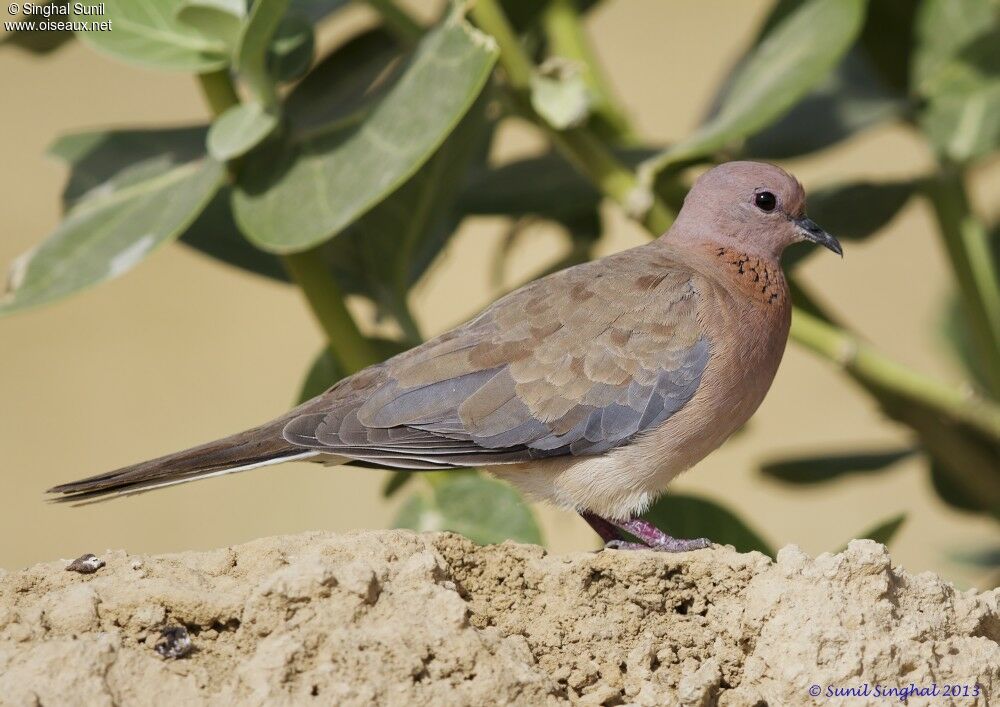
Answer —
(652, 537)
(607, 531)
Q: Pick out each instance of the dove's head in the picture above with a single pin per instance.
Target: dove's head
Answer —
(753, 206)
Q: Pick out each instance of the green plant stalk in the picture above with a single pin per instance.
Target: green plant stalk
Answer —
(599, 164)
(398, 306)
(876, 371)
(868, 367)
(397, 20)
(567, 39)
(967, 243)
(908, 397)
(307, 269)
(351, 349)
(580, 146)
(219, 91)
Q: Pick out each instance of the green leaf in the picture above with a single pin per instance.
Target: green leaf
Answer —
(951, 491)
(482, 509)
(36, 41)
(943, 29)
(340, 79)
(964, 126)
(214, 234)
(108, 160)
(689, 516)
(867, 86)
(827, 467)
(988, 557)
(853, 212)
(884, 532)
(112, 159)
(149, 33)
(336, 86)
(856, 210)
(957, 67)
(796, 55)
(976, 64)
(108, 233)
(217, 20)
(385, 252)
(291, 51)
(325, 371)
(239, 130)
(312, 187)
(251, 52)
(887, 41)
(849, 100)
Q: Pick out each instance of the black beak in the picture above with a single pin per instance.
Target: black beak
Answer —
(812, 232)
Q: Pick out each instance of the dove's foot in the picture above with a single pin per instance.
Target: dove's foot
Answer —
(650, 537)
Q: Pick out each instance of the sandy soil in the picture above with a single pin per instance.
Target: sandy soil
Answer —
(403, 619)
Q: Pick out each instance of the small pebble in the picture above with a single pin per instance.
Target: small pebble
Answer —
(86, 564)
(174, 642)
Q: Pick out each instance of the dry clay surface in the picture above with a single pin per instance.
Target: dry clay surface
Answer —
(398, 618)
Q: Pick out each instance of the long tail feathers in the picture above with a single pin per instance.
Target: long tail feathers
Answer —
(253, 448)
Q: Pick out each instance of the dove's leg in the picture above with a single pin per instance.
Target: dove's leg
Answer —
(607, 531)
(652, 537)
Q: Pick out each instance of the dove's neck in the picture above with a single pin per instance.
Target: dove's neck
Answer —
(697, 230)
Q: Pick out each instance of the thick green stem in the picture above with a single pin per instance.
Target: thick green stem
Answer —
(351, 349)
(874, 370)
(411, 330)
(567, 39)
(397, 20)
(219, 91)
(490, 18)
(615, 180)
(967, 243)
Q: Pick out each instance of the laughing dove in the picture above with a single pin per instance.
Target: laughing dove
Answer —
(591, 388)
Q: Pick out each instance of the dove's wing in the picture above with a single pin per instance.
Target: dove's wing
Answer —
(573, 364)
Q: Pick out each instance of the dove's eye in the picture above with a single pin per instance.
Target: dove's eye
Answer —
(765, 201)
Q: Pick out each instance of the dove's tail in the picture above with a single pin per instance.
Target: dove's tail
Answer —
(256, 447)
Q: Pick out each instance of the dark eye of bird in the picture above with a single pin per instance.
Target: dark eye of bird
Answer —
(765, 200)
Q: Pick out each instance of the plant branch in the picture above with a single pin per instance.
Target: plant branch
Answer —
(397, 20)
(967, 243)
(351, 349)
(876, 371)
(564, 30)
(579, 145)
(307, 269)
(219, 91)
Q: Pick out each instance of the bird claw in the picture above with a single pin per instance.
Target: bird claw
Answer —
(650, 537)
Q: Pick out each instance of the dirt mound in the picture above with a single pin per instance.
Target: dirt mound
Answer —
(403, 619)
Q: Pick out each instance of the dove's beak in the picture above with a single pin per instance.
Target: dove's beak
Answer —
(812, 232)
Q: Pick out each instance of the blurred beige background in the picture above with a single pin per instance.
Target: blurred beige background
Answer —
(182, 349)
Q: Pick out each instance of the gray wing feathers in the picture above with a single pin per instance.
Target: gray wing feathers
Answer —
(574, 368)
